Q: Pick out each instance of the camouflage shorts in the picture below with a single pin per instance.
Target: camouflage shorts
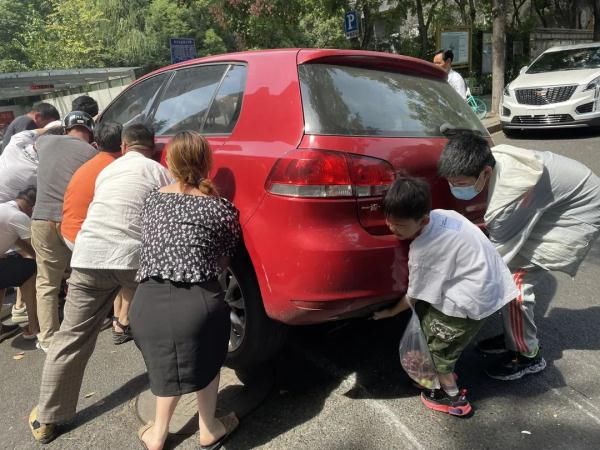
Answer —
(446, 336)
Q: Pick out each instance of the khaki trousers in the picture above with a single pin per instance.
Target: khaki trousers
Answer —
(90, 298)
(52, 257)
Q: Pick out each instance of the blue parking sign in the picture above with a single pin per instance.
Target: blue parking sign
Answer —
(351, 24)
(182, 49)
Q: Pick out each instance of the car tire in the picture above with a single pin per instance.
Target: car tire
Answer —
(254, 338)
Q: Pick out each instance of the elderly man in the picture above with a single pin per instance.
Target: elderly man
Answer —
(105, 259)
(59, 158)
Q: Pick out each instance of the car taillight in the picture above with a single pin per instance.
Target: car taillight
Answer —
(371, 177)
(327, 174)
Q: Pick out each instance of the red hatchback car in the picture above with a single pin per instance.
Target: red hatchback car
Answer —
(306, 142)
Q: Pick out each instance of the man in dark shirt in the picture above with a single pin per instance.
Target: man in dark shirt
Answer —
(39, 116)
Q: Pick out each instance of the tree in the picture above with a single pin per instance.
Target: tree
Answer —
(66, 38)
(498, 33)
(425, 23)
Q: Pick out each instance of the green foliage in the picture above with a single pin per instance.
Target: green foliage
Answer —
(61, 34)
(66, 38)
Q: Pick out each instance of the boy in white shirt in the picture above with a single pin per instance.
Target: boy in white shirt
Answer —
(456, 280)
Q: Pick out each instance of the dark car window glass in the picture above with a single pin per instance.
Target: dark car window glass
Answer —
(133, 105)
(225, 109)
(340, 100)
(186, 99)
(575, 59)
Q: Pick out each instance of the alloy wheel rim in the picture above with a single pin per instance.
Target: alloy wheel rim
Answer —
(235, 300)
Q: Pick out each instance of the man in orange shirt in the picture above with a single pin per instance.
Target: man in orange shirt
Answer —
(79, 196)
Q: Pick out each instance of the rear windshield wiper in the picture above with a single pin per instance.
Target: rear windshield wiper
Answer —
(450, 130)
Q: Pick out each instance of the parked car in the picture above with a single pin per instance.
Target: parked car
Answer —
(306, 144)
(559, 89)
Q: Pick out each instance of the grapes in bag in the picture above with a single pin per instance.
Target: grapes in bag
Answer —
(415, 357)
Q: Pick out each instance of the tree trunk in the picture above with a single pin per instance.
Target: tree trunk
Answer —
(540, 12)
(498, 32)
(422, 28)
(596, 20)
(472, 13)
(367, 24)
(462, 9)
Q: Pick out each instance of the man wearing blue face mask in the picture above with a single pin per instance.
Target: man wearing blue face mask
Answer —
(543, 214)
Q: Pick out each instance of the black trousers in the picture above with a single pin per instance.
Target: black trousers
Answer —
(15, 270)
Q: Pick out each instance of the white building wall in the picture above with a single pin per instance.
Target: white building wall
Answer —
(102, 96)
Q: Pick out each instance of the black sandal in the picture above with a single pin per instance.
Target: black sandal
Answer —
(120, 337)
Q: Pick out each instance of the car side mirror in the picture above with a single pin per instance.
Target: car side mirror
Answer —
(523, 70)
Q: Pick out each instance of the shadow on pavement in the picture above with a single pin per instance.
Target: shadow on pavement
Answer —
(125, 393)
(359, 360)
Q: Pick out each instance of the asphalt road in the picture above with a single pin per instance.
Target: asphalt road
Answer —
(341, 386)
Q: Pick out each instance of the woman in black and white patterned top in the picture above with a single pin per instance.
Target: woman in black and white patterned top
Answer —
(179, 318)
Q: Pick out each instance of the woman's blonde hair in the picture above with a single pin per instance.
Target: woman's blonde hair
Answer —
(190, 160)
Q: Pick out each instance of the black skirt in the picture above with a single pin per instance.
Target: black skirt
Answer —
(182, 331)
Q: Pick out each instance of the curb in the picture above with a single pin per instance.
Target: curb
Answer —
(492, 124)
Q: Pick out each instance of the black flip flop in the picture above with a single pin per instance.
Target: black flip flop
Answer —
(228, 431)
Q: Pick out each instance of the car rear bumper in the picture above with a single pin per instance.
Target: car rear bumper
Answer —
(313, 270)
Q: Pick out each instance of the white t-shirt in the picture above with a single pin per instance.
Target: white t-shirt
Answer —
(111, 235)
(18, 165)
(14, 224)
(453, 266)
(458, 83)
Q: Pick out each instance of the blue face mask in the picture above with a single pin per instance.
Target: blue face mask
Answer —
(465, 192)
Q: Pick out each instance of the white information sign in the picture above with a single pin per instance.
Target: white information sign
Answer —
(458, 42)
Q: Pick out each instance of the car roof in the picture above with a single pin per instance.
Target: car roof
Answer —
(572, 47)
(362, 58)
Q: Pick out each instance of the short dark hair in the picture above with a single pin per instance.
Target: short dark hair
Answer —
(139, 134)
(47, 111)
(108, 136)
(446, 54)
(58, 130)
(465, 155)
(86, 104)
(28, 194)
(408, 198)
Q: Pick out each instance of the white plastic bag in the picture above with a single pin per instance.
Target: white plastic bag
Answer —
(415, 357)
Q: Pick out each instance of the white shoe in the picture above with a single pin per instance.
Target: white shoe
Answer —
(41, 347)
(19, 315)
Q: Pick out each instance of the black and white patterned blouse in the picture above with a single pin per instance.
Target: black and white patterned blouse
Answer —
(184, 235)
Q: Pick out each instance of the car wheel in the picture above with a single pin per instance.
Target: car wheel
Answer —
(254, 337)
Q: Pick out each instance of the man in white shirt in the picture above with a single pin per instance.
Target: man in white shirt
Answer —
(105, 258)
(455, 276)
(443, 59)
(17, 257)
(19, 161)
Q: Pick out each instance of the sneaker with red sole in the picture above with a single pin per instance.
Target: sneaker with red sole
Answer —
(439, 400)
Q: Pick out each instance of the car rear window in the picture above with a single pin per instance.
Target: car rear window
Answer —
(354, 101)
(574, 59)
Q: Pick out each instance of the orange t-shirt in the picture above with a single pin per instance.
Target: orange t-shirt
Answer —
(80, 193)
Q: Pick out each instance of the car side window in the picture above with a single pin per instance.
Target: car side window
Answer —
(225, 109)
(186, 100)
(133, 105)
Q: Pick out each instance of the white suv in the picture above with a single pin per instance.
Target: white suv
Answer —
(560, 89)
